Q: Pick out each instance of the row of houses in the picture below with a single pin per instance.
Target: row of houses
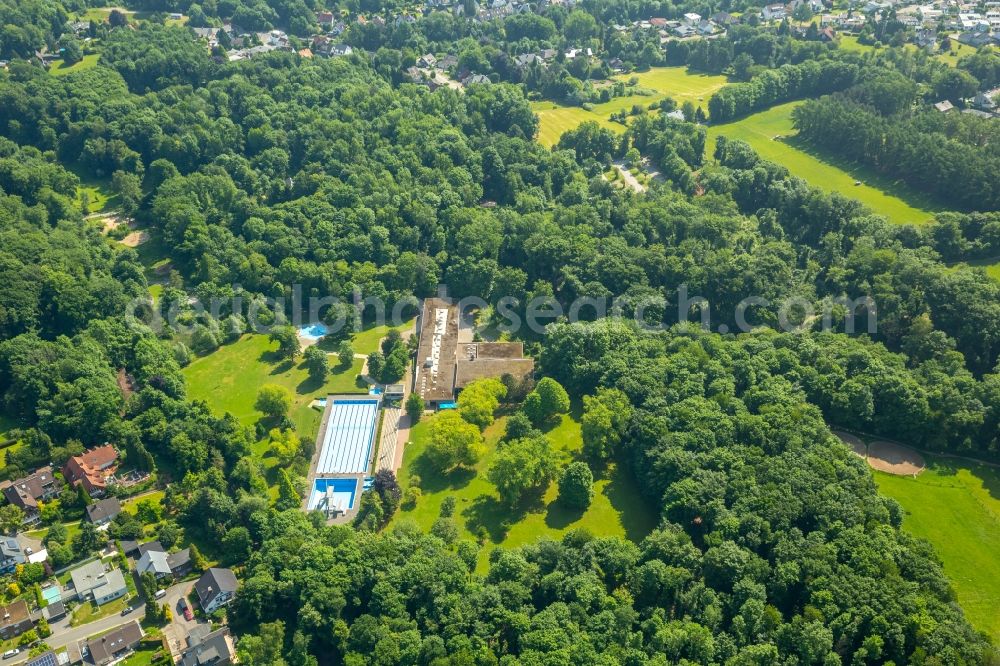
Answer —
(93, 470)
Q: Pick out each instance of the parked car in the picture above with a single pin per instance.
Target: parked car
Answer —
(127, 610)
(11, 653)
(185, 609)
(160, 594)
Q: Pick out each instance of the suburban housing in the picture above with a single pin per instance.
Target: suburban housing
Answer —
(114, 644)
(92, 469)
(103, 511)
(92, 581)
(208, 648)
(14, 619)
(26, 493)
(216, 588)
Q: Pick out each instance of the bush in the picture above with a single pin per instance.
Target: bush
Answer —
(411, 497)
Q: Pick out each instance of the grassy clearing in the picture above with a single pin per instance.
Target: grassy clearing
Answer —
(851, 43)
(659, 82)
(956, 506)
(892, 199)
(991, 266)
(956, 52)
(98, 192)
(89, 612)
(616, 509)
(60, 68)
(228, 380)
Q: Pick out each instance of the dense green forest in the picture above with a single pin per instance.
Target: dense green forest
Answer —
(338, 176)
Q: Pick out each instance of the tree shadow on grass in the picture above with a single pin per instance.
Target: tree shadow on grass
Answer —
(637, 516)
(308, 385)
(282, 367)
(433, 481)
(560, 516)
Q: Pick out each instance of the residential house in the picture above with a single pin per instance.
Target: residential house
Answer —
(448, 62)
(324, 18)
(54, 611)
(180, 562)
(208, 648)
(114, 645)
(216, 588)
(154, 562)
(11, 554)
(92, 469)
(427, 60)
(103, 511)
(944, 106)
(92, 581)
(773, 12)
(723, 18)
(27, 492)
(691, 19)
(476, 78)
(14, 619)
(986, 100)
(49, 658)
(338, 50)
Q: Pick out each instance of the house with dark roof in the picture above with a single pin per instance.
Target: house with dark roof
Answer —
(11, 554)
(216, 588)
(92, 469)
(49, 658)
(54, 611)
(27, 492)
(14, 619)
(115, 644)
(208, 648)
(103, 511)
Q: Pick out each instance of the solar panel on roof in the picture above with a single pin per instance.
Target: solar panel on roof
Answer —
(47, 659)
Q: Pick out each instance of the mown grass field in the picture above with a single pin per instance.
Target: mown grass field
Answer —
(60, 68)
(228, 380)
(956, 506)
(616, 510)
(658, 82)
(98, 192)
(891, 199)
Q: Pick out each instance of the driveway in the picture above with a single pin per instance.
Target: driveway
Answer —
(177, 631)
(63, 634)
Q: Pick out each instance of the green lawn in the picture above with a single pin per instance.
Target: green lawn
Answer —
(956, 506)
(659, 82)
(616, 510)
(228, 380)
(892, 199)
(89, 612)
(100, 198)
(60, 68)
(851, 43)
(366, 341)
(957, 51)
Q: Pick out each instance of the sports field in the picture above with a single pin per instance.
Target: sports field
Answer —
(892, 199)
(616, 510)
(653, 85)
(956, 506)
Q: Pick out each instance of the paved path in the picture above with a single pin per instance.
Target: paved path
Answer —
(628, 178)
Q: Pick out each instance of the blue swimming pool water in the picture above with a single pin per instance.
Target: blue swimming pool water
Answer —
(313, 331)
(344, 490)
(51, 594)
(375, 391)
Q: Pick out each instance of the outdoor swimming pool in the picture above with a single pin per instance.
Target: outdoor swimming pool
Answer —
(313, 331)
(330, 494)
(51, 594)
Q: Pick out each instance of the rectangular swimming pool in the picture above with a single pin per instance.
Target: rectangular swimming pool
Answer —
(348, 437)
(333, 494)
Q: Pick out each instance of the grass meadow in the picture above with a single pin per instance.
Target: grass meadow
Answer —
(653, 85)
(893, 199)
(616, 510)
(955, 505)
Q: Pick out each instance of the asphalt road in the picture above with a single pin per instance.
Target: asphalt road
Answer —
(63, 634)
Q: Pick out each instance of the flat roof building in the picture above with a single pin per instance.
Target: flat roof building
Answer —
(435, 376)
(445, 366)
